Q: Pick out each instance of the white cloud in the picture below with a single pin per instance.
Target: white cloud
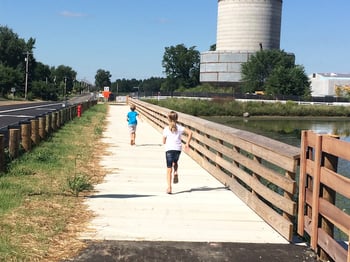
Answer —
(162, 20)
(71, 14)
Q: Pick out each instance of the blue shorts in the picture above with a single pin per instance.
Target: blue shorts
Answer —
(172, 156)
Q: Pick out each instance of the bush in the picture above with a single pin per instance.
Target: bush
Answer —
(226, 107)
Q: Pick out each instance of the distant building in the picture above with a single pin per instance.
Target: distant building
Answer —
(244, 27)
(330, 84)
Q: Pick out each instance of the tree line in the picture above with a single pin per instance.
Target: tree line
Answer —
(19, 69)
(270, 71)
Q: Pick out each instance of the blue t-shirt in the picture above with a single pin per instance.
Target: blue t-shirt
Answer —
(132, 120)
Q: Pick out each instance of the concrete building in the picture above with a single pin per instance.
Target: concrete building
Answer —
(243, 28)
(330, 84)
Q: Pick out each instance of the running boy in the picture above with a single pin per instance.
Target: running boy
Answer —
(132, 123)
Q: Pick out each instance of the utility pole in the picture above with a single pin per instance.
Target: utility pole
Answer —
(65, 91)
(26, 81)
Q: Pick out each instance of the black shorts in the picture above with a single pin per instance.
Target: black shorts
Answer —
(172, 156)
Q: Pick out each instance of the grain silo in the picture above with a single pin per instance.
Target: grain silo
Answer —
(243, 28)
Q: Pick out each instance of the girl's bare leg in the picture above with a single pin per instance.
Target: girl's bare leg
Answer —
(176, 178)
(176, 166)
(168, 178)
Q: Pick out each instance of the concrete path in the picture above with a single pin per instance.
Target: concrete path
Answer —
(131, 203)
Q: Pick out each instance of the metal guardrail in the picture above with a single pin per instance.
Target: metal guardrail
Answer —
(28, 134)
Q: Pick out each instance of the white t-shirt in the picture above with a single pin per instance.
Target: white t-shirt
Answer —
(173, 139)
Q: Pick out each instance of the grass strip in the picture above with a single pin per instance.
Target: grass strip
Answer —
(42, 192)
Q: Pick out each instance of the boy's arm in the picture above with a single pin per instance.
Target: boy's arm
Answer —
(139, 117)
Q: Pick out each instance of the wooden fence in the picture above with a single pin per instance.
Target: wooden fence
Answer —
(319, 186)
(259, 170)
(24, 136)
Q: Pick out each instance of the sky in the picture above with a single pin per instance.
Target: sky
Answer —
(128, 38)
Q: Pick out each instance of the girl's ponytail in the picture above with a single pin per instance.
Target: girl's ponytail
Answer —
(172, 117)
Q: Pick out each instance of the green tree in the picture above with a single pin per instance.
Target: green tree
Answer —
(13, 52)
(169, 85)
(44, 90)
(42, 72)
(102, 79)
(288, 81)
(275, 72)
(125, 85)
(181, 66)
(13, 49)
(63, 78)
(10, 77)
(152, 85)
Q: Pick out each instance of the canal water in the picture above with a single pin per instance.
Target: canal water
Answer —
(288, 130)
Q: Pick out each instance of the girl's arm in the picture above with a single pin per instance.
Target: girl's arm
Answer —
(189, 137)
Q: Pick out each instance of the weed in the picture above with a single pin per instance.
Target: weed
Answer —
(98, 130)
(79, 183)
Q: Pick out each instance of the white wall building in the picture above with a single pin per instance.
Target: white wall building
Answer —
(326, 84)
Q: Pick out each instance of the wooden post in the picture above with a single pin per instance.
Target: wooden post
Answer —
(48, 126)
(35, 131)
(14, 142)
(42, 127)
(316, 193)
(2, 154)
(64, 116)
(26, 137)
(58, 118)
(304, 181)
(73, 112)
(54, 121)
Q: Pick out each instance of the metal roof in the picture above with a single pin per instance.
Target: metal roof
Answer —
(335, 75)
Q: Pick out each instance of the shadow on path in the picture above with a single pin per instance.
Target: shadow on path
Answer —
(152, 251)
(119, 196)
(204, 188)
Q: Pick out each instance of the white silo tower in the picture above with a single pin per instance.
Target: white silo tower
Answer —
(243, 28)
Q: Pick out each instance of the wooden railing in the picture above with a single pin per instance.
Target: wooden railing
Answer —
(24, 136)
(259, 170)
(319, 186)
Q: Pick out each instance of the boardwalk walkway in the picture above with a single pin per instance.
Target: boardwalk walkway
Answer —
(132, 204)
(132, 207)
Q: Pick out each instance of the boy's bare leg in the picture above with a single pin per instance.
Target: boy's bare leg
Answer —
(132, 138)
